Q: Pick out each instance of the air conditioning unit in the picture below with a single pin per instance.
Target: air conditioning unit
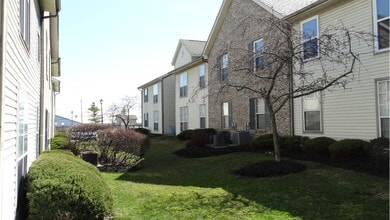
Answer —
(241, 138)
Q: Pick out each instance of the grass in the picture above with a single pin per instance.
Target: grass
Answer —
(172, 187)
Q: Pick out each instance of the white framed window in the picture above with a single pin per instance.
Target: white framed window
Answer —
(202, 73)
(310, 38)
(155, 120)
(183, 84)
(312, 114)
(146, 120)
(183, 118)
(383, 107)
(381, 24)
(155, 93)
(224, 63)
(202, 116)
(226, 115)
(260, 114)
(24, 21)
(146, 95)
(258, 51)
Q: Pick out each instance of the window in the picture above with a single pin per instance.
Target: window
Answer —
(202, 116)
(226, 115)
(183, 118)
(383, 107)
(22, 141)
(155, 120)
(312, 112)
(155, 93)
(202, 72)
(258, 49)
(183, 84)
(381, 25)
(24, 16)
(224, 64)
(258, 114)
(310, 37)
(146, 95)
(146, 120)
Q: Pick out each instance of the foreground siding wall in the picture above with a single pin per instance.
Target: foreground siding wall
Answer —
(21, 83)
(168, 108)
(350, 113)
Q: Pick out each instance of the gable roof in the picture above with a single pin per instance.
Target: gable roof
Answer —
(194, 47)
(279, 8)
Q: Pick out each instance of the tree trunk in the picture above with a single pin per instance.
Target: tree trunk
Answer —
(274, 131)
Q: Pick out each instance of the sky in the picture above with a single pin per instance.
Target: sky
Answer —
(109, 48)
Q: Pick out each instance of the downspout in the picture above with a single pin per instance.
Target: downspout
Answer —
(2, 44)
(162, 106)
(42, 93)
(291, 86)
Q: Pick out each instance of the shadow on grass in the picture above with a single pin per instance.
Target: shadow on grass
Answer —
(320, 192)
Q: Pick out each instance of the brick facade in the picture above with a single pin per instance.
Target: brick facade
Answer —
(240, 28)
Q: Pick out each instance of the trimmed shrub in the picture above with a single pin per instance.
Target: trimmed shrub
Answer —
(292, 143)
(263, 143)
(317, 148)
(121, 147)
(378, 153)
(201, 137)
(348, 149)
(185, 135)
(84, 136)
(142, 131)
(62, 186)
(59, 141)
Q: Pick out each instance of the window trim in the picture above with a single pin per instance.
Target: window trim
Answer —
(223, 74)
(257, 113)
(183, 118)
(146, 95)
(25, 22)
(227, 117)
(183, 84)
(202, 76)
(375, 21)
(156, 119)
(379, 124)
(202, 115)
(321, 131)
(257, 55)
(304, 41)
(155, 93)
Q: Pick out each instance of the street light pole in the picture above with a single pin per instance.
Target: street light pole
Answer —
(101, 109)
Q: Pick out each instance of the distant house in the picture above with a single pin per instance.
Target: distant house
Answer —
(191, 97)
(29, 64)
(362, 110)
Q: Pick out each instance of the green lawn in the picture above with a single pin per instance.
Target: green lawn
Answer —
(171, 187)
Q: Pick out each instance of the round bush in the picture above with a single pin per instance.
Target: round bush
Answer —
(201, 137)
(348, 149)
(271, 168)
(142, 131)
(62, 186)
(263, 143)
(185, 135)
(59, 142)
(318, 147)
(292, 143)
(378, 153)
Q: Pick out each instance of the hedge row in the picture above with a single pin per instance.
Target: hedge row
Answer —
(375, 152)
(62, 186)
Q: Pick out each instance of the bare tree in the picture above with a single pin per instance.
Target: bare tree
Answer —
(283, 68)
(122, 111)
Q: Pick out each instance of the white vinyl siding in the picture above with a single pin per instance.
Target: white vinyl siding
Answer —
(24, 22)
(146, 97)
(350, 113)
